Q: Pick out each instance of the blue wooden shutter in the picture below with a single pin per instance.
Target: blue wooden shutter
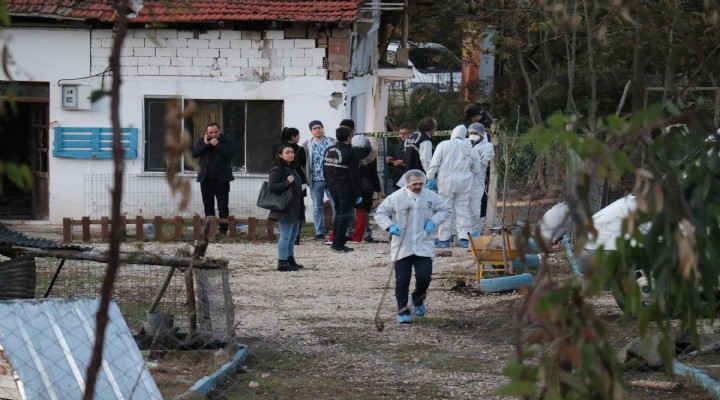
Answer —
(93, 142)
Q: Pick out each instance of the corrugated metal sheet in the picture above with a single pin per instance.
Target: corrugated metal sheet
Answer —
(49, 344)
(13, 238)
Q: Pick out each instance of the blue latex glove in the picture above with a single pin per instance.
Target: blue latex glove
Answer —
(394, 230)
(429, 226)
(431, 184)
(359, 200)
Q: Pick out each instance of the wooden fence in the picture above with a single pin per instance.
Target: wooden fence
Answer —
(156, 227)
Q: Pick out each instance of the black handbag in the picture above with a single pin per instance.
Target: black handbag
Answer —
(275, 201)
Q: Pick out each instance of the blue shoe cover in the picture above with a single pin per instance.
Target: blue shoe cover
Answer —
(442, 244)
(419, 311)
(404, 319)
(464, 243)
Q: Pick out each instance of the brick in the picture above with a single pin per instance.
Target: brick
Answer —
(318, 62)
(305, 43)
(128, 61)
(101, 52)
(155, 42)
(101, 62)
(177, 43)
(134, 42)
(209, 35)
(97, 69)
(107, 43)
(236, 72)
(130, 70)
(212, 53)
(251, 35)
(250, 72)
(276, 72)
(339, 67)
(282, 44)
(186, 34)
(301, 62)
(258, 62)
(144, 52)
(275, 35)
(272, 53)
(315, 71)
(259, 44)
(240, 44)
(203, 62)
(237, 62)
(227, 53)
(166, 52)
(294, 33)
(181, 62)
(295, 71)
(336, 58)
(159, 61)
(322, 41)
(126, 52)
(294, 53)
(167, 34)
(280, 62)
(340, 42)
(153, 71)
(186, 52)
(315, 53)
(95, 43)
(336, 75)
(170, 71)
(312, 32)
(231, 35)
(192, 71)
(345, 51)
(252, 53)
(101, 34)
(220, 44)
(143, 61)
(198, 43)
(142, 33)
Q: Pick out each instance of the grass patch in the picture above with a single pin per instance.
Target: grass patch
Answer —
(175, 372)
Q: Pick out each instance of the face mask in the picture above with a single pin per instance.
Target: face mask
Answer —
(474, 138)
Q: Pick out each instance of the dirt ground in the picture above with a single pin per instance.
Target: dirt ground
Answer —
(312, 334)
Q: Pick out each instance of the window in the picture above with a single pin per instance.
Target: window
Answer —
(93, 143)
(253, 126)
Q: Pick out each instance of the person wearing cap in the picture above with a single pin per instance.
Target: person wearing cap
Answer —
(411, 215)
(215, 152)
(418, 147)
(340, 168)
(479, 140)
(396, 161)
(454, 165)
(314, 152)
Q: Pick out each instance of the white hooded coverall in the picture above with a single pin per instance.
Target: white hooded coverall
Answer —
(486, 153)
(454, 165)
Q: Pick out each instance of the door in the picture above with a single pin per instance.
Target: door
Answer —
(39, 159)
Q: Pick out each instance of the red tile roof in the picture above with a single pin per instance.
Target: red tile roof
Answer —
(194, 10)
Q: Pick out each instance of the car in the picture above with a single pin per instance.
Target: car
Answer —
(434, 67)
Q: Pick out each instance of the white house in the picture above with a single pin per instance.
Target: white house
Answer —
(253, 67)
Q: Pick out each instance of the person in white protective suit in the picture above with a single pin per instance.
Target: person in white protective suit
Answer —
(478, 139)
(454, 165)
(411, 215)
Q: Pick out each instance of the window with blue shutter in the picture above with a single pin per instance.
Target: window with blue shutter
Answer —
(93, 142)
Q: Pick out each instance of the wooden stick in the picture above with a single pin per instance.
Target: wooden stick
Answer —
(129, 258)
(657, 385)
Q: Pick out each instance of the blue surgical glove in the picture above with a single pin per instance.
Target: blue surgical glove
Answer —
(359, 200)
(432, 184)
(394, 230)
(429, 226)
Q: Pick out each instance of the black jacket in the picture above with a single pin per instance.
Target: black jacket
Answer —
(370, 182)
(295, 211)
(222, 154)
(411, 157)
(340, 168)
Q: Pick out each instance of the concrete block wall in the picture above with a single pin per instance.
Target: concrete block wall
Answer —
(270, 54)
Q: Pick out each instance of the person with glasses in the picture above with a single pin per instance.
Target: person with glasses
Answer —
(410, 215)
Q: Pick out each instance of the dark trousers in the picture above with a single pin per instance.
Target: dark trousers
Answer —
(344, 214)
(483, 203)
(403, 273)
(212, 189)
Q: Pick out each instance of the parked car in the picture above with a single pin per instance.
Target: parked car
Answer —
(434, 66)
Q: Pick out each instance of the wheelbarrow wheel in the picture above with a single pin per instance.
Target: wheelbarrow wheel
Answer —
(505, 283)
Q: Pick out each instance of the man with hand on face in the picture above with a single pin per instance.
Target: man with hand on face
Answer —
(215, 152)
(411, 215)
(315, 179)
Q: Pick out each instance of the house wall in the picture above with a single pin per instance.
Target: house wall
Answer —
(259, 65)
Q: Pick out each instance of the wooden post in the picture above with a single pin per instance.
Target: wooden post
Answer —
(123, 226)
(67, 230)
(270, 229)
(327, 216)
(105, 229)
(139, 228)
(232, 230)
(178, 228)
(158, 225)
(213, 227)
(252, 227)
(196, 227)
(86, 229)
(492, 191)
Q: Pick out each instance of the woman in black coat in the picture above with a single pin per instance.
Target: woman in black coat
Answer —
(291, 136)
(284, 177)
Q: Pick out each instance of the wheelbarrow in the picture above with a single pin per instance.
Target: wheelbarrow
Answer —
(494, 254)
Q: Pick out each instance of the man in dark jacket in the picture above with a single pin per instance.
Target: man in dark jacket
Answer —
(215, 152)
(340, 168)
(418, 147)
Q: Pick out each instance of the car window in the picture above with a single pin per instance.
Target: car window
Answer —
(434, 59)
